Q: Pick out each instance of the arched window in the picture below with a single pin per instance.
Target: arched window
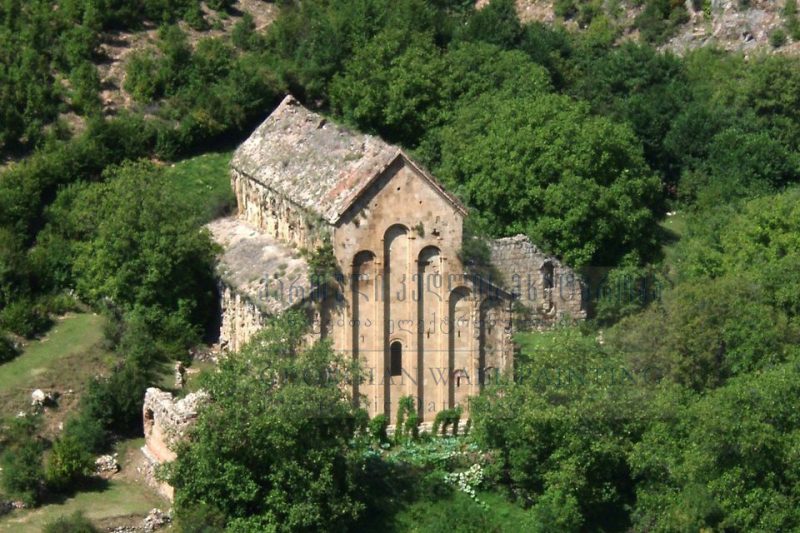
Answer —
(396, 358)
(547, 275)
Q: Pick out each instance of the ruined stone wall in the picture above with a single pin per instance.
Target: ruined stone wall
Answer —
(550, 290)
(277, 216)
(166, 422)
(241, 318)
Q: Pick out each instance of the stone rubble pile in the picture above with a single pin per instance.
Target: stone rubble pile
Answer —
(106, 463)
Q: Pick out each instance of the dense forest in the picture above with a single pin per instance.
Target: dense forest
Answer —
(679, 412)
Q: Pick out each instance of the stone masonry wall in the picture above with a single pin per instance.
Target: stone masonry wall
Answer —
(526, 270)
(241, 319)
(276, 215)
(166, 423)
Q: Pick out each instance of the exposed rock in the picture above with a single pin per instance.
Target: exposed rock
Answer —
(38, 398)
(155, 519)
(180, 375)
(106, 464)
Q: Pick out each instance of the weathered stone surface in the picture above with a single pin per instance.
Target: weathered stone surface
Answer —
(550, 290)
(106, 464)
(310, 161)
(38, 397)
(259, 277)
(155, 519)
(166, 422)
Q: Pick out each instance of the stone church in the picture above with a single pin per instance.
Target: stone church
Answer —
(420, 321)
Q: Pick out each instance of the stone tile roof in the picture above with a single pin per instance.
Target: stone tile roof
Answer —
(320, 166)
(270, 274)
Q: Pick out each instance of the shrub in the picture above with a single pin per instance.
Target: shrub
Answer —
(25, 318)
(565, 8)
(445, 418)
(201, 518)
(87, 430)
(74, 523)
(244, 35)
(377, 428)
(69, 462)
(59, 304)
(777, 38)
(7, 349)
(142, 76)
(21, 460)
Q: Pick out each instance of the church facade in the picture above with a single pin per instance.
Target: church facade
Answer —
(418, 320)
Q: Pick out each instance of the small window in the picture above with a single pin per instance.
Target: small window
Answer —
(397, 358)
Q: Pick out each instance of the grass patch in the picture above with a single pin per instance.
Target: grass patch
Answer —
(204, 182)
(118, 499)
(64, 359)
(123, 500)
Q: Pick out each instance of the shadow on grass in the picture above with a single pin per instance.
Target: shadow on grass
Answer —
(90, 484)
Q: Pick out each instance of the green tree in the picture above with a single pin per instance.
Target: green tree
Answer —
(577, 184)
(271, 448)
(138, 247)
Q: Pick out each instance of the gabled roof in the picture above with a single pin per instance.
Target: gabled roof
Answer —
(319, 165)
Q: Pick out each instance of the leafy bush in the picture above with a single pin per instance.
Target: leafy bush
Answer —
(7, 349)
(68, 463)
(282, 460)
(777, 38)
(21, 460)
(25, 318)
(660, 18)
(74, 523)
(377, 428)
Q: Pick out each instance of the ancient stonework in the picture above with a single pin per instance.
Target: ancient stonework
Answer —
(549, 290)
(166, 423)
(418, 320)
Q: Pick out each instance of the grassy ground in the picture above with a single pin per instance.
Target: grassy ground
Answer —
(123, 500)
(65, 359)
(204, 181)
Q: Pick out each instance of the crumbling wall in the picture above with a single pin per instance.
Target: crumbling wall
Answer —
(550, 290)
(241, 319)
(276, 215)
(166, 422)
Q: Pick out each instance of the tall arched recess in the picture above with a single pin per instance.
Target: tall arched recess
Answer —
(362, 312)
(395, 273)
(458, 345)
(429, 283)
(490, 339)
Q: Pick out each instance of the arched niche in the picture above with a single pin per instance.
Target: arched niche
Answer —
(459, 342)
(394, 292)
(428, 295)
(362, 302)
(491, 326)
